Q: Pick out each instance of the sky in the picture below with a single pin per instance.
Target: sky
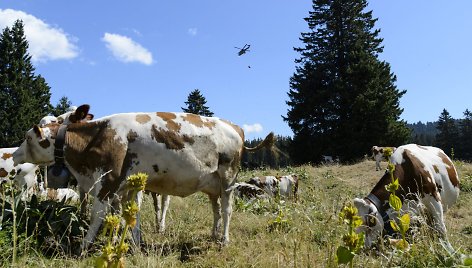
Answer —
(148, 55)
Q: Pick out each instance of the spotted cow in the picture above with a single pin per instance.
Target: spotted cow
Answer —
(428, 183)
(378, 155)
(24, 175)
(246, 190)
(284, 186)
(182, 154)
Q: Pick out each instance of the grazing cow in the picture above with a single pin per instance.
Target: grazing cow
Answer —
(328, 159)
(248, 191)
(378, 155)
(24, 175)
(182, 154)
(284, 186)
(428, 180)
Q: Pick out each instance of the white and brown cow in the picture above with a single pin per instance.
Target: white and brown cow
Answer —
(428, 181)
(283, 186)
(182, 154)
(245, 190)
(378, 155)
(23, 175)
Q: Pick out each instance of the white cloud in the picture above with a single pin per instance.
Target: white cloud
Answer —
(126, 50)
(192, 31)
(45, 41)
(252, 128)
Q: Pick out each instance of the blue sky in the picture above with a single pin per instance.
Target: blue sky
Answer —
(148, 55)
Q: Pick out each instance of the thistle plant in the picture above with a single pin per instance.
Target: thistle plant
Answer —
(353, 241)
(403, 223)
(112, 253)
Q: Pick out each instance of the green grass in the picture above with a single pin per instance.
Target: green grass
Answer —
(282, 234)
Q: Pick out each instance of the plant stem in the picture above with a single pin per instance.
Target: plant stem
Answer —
(14, 225)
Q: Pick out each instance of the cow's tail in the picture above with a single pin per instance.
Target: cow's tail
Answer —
(268, 143)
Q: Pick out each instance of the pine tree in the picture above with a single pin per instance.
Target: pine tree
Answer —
(342, 98)
(448, 134)
(62, 106)
(196, 104)
(24, 96)
(464, 151)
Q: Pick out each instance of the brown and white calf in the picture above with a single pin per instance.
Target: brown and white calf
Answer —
(23, 175)
(428, 181)
(378, 155)
(284, 186)
(182, 154)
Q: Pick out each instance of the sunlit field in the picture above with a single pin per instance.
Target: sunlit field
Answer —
(281, 233)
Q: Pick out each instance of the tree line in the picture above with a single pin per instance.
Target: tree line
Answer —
(342, 98)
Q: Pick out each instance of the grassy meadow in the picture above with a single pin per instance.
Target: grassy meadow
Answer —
(278, 233)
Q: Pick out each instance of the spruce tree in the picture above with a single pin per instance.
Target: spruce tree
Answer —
(24, 96)
(62, 106)
(342, 98)
(196, 104)
(448, 134)
(464, 150)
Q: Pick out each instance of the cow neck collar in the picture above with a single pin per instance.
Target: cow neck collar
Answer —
(381, 209)
(59, 145)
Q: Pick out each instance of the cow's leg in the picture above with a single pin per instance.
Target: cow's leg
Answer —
(216, 216)
(99, 211)
(435, 210)
(136, 231)
(377, 165)
(157, 209)
(226, 203)
(83, 202)
(165, 199)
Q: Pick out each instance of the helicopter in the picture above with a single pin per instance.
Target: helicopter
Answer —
(243, 50)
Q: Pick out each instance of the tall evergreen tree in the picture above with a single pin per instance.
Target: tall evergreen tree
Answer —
(24, 96)
(448, 134)
(196, 104)
(342, 98)
(62, 106)
(465, 128)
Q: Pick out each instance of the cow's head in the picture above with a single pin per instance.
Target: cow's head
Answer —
(75, 115)
(372, 223)
(38, 147)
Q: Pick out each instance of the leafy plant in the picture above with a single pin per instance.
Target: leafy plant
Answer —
(279, 223)
(353, 241)
(403, 223)
(112, 252)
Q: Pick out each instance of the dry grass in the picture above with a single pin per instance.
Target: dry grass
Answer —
(310, 239)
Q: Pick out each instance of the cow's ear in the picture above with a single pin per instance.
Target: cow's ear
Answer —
(80, 113)
(37, 130)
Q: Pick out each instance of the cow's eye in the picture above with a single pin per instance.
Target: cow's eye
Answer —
(371, 220)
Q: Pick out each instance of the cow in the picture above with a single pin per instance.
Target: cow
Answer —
(284, 186)
(48, 119)
(428, 183)
(182, 154)
(378, 155)
(248, 191)
(23, 175)
(66, 194)
(328, 159)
